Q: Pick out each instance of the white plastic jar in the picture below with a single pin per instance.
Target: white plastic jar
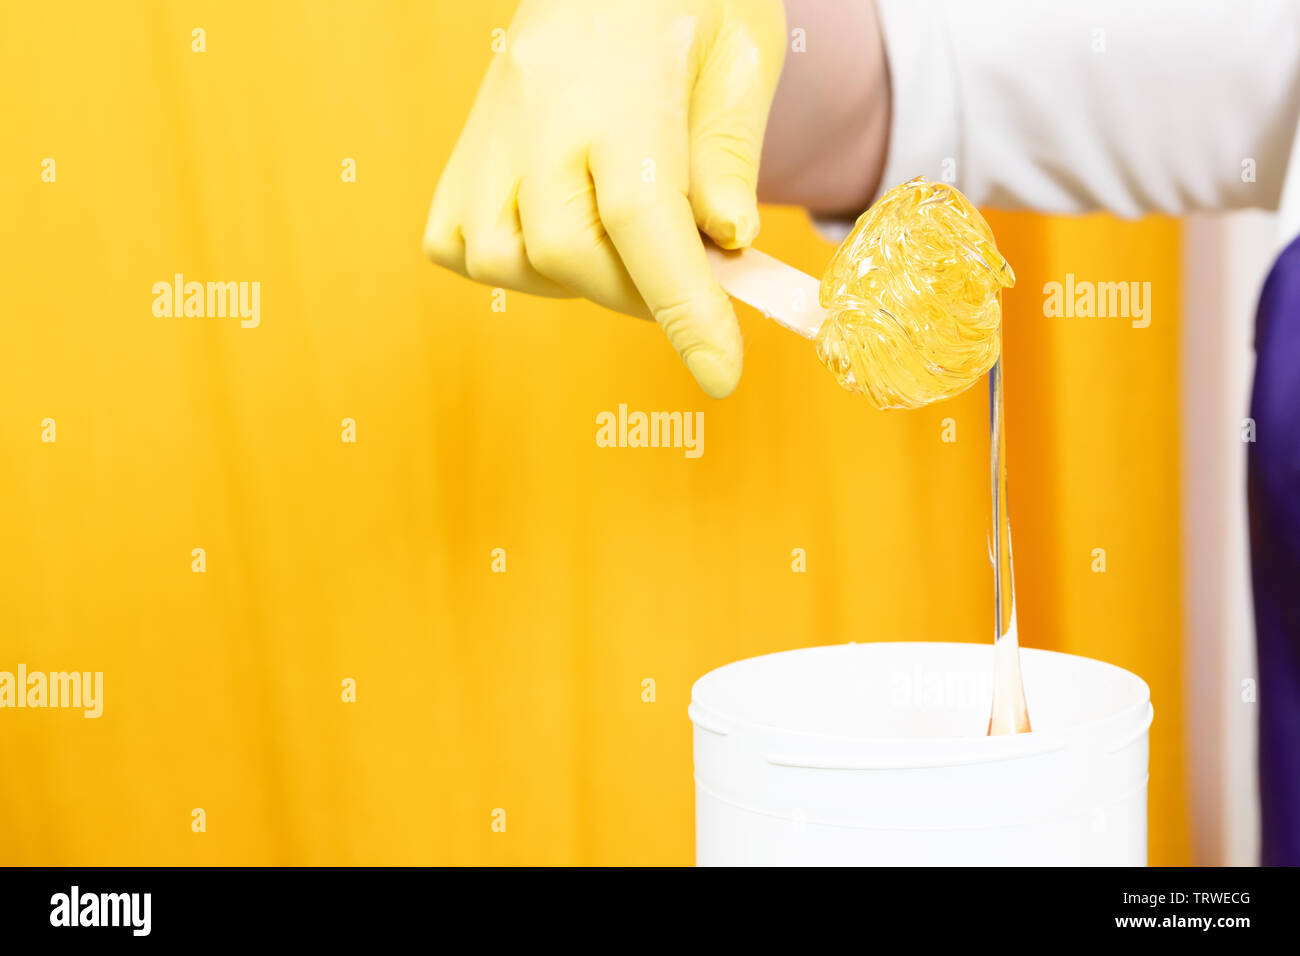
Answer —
(876, 754)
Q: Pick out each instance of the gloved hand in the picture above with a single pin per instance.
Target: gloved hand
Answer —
(605, 137)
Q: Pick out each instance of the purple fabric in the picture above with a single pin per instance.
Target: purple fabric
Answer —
(1273, 489)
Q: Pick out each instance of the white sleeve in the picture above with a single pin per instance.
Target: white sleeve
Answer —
(1134, 107)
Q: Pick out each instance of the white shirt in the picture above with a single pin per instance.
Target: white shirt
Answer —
(1163, 106)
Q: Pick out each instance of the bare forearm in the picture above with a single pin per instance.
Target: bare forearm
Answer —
(828, 131)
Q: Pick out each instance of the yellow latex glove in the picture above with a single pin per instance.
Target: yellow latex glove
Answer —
(606, 136)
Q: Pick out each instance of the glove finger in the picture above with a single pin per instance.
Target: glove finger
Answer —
(653, 229)
(730, 102)
(566, 241)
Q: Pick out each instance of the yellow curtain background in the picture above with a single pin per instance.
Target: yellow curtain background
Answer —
(371, 561)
